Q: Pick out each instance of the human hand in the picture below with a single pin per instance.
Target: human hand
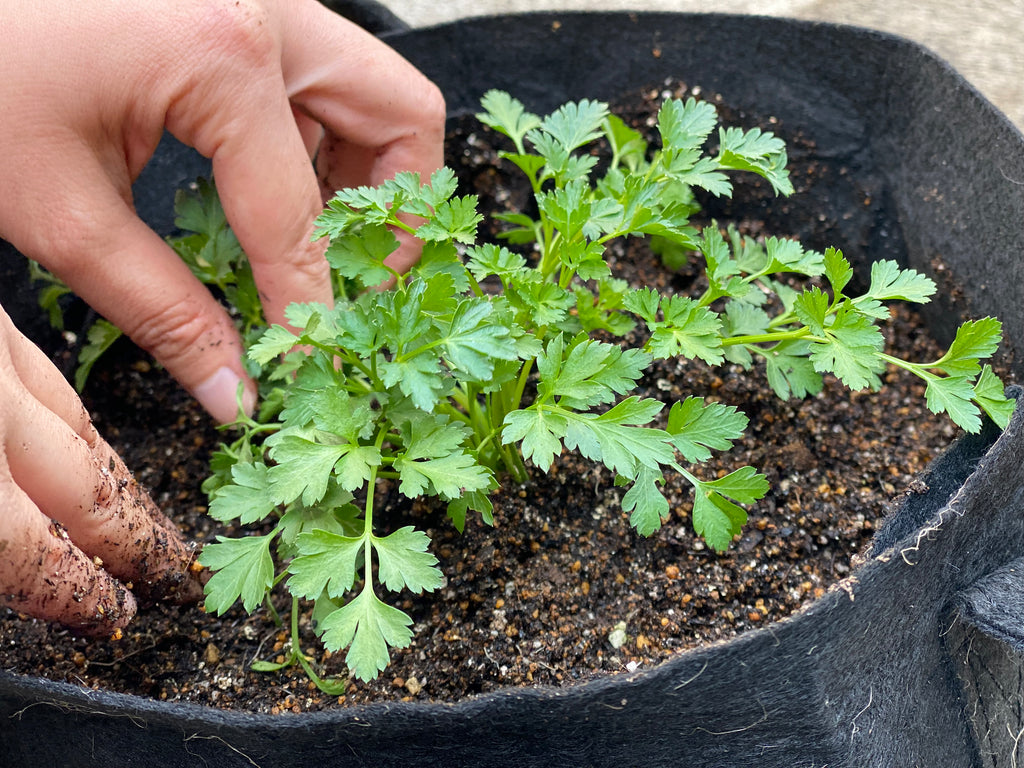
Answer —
(80, 541)
(258, 86)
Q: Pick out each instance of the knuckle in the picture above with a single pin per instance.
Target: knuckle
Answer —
(175, 331)
(240, 28)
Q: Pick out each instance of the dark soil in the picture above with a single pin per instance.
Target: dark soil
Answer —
(561, 589)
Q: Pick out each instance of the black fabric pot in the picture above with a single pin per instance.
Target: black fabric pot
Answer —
(918, 658)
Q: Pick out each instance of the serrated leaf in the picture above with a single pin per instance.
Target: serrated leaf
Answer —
(247, 497)
(953, 395)
(472, 341)
(326, 562)
(697, 427)
(405, 563)
(575, 123)
(101, 336)
(646, 503)
(588, 372)
(838, 271)
(489, 259)
(688, 329)
(419, 378)
(447, 476)
(852, 350)
(717, 520)
(715, 516)
(685, 125)
(242, 569)
(303, 467)
(757, 152)
(478, 501)
(975, 339)
(507, 115)
(811, 308)
(275, 341)
(790, 372)
(369, 627)
(454, 219)
(889, 282)
(615, 439)
(360, 255)
(989, 393)
(540, 433)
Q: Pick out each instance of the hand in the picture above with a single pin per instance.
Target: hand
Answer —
(76, 531)
(259, 86)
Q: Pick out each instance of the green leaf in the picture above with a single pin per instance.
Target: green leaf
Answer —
(628, 145)
(646, 503)
(688, 329)
(757, 152)
(369, 627)
(989, 393)
(889, 282)
(447, 476)
(539, 432)
(953, 395)
(246, 498)
(790, 372)
(685, 125)
(697, 427)
(242, 569)
(304, 467)
(507, 115)
(326, 561)
(576, 123)
(614, 438)
(715, 517)
(489, 259)
(360, 255)
(405, 563)
(811, 308)
(838, 271)
(101, 337)
(275, 341)
(473, 341)
(852, 350)
(588, 372)
(975, 339)
(455, 219)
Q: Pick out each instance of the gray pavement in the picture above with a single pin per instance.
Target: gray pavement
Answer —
(983, 39)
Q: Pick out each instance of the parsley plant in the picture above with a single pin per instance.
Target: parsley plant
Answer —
(482, 359)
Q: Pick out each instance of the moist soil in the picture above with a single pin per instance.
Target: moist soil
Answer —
(561, 589)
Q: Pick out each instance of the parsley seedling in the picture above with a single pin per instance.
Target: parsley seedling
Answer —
(482, 359)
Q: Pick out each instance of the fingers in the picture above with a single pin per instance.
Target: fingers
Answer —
(73, 518)
(45, 575)
(131, 277)
(380, 114)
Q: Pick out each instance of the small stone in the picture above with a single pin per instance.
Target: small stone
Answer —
(413, 686)
(212, 654)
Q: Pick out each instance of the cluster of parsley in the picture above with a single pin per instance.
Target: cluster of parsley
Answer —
(425, 384)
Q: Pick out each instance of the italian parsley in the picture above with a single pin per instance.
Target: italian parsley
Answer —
(486, 358)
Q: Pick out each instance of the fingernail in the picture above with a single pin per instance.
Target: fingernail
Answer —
(218, 395)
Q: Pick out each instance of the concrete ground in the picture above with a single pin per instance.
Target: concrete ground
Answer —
(982, 39)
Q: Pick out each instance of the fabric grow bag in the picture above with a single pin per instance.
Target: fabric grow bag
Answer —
(916, 659)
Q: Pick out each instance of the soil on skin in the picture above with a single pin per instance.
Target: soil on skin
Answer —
(561, 589)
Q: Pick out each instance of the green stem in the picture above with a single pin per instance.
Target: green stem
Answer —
(770, 338)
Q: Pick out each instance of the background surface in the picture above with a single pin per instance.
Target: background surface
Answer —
(982, 39)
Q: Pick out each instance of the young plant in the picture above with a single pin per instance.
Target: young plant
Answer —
(483, 359)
